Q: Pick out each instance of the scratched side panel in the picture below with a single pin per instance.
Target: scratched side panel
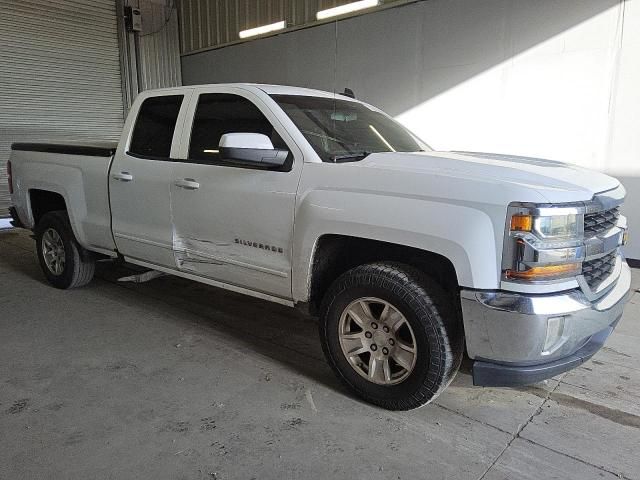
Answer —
(235, 228)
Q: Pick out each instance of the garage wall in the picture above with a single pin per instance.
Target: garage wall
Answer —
(59, 73)
(216, 23)
(149, 58)
(554, 78)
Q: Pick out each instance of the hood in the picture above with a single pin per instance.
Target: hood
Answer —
(554, 181)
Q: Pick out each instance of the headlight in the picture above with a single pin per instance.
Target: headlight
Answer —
(543, 244)
(557, 226)
(548, 227)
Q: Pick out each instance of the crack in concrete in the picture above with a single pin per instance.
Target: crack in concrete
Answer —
(519, 431)
(598, 467)
(456, 412)
(612, 414)
(553, 395)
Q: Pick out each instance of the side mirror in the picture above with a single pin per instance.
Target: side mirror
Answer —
(251, 150)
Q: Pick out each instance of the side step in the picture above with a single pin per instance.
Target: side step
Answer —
(142, 277)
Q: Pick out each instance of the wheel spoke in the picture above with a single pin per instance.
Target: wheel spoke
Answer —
(386, 367)
(406, 347)
(375, 368)
(403, 358)
(352, 344)
(360, 313)
(395, 320)
(385, 313)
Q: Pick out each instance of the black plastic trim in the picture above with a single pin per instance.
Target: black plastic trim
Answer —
(67, 149)
(221, 162)
(632, 262)
(152, 157)
(15, 219)
(489, 374)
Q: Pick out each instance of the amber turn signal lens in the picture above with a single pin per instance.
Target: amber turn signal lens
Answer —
(521, 223)
(546, 272)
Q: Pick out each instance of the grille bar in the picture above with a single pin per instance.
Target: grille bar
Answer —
(600, 222)
(598, 270)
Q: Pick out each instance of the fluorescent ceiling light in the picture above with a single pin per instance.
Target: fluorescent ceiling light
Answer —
(348, 8)
(252, 32)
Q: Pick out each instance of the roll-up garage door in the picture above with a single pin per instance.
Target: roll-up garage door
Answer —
(59, 74)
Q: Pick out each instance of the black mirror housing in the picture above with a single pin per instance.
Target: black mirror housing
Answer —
(254, 157)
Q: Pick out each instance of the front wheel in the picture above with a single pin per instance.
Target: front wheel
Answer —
(391, 334)
(64, 262)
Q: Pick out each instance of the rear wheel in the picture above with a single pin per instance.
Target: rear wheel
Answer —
(64, 262)
(391, 334)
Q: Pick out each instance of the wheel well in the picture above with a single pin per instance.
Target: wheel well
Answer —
(44, 201)
(335, 254)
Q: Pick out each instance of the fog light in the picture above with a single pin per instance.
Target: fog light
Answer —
(555, 329)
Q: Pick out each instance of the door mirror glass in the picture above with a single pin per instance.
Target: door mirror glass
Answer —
(251, 149)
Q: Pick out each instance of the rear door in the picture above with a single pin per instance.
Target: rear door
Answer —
(234, 224)
(140, 179)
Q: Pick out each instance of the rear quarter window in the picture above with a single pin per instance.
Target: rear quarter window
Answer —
(153, 131)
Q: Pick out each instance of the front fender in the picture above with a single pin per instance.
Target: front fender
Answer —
(462, 234)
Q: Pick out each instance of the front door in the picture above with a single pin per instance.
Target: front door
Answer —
(232, 224)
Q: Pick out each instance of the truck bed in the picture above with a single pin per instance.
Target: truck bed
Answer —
(69, 174)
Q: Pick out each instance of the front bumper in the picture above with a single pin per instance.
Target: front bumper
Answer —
(515, 339)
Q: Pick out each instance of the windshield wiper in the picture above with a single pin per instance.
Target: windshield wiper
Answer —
(349, 157)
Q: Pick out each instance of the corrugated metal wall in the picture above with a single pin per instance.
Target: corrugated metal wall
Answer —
(213, 23)
(59, 73)
(159, 45)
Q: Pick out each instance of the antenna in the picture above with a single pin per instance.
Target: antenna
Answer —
(348, 93)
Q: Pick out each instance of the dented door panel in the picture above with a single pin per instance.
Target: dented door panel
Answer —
(236, 227)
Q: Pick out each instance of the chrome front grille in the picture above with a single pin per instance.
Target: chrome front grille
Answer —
(600, 222)
(598, 270)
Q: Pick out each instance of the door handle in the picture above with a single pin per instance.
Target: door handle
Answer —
(123, 176)
(188, 184)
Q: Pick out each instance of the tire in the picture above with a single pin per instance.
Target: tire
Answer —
(78, 266)
(433, 330)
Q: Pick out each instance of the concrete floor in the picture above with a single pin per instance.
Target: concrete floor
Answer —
(172, 379)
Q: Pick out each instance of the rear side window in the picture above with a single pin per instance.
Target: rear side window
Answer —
(156, 122)
(220, 113)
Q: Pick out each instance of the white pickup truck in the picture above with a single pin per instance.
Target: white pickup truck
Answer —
(310, 199)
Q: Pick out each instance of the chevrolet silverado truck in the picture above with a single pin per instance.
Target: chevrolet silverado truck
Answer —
(407, 256)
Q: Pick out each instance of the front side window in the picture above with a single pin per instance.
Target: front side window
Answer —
(221, 113)
(342, 130)
(156, 122)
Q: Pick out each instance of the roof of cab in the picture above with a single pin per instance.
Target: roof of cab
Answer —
(269, 89)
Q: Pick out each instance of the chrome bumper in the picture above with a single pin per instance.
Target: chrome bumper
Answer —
(519, 339)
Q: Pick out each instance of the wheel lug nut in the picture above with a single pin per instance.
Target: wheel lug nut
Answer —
(368, 334)
(385, 350)
(374, 347)
(386, 329)
(392, 341)
(374, 325)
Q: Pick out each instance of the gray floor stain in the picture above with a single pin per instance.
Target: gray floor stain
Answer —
(617, 416)
(18, 406)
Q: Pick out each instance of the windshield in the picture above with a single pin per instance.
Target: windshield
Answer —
(342, 130)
